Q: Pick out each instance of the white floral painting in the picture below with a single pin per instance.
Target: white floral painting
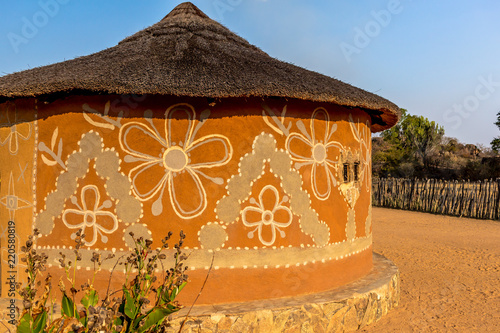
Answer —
(318, 142)
(273, 217)
(90, 216)
(174, 160)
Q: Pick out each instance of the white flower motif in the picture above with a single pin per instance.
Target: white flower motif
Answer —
(90, 215)
(315, 150)
(175, 160)
(263, 217)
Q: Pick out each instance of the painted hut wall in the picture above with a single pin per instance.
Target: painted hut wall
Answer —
(259, 183)
(18, 136)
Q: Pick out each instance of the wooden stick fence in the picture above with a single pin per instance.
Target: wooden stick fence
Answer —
(479, 200)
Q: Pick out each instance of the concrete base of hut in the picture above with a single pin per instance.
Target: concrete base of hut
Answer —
(343, 309)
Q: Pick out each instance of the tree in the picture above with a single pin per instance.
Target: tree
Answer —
(386, 158)
(416, 136)
(495, 144)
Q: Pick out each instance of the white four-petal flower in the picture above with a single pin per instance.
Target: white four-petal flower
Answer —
(90, 215)
(266, 216)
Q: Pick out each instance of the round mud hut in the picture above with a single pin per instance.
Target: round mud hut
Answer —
(265, 166)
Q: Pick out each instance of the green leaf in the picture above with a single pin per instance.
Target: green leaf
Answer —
(154, 317)
(68, 307)
(165, 297)
(173, 308)
(182, 286)
(159, 292)
(40, 322)
(137, 320)
(24, 324)
(176, 291)
(130, 309)
(84, 320)
(90, 298)
(119, 321)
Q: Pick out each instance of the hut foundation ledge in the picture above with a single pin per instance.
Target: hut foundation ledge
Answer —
(344, 309)
(347, 308)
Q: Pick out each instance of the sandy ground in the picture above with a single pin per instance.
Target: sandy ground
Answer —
(450, 271)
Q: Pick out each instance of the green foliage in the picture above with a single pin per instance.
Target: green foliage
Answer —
(386, 157)
(415, 137)
(153, 318)
(135, 293)
(25, 323)
(416, 147)
(35, 313)
(130, 313)
(68, 308)
(90, 298)
(40, 322)
(495, 144)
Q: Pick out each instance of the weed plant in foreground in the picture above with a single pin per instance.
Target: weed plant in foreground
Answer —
(133, 311)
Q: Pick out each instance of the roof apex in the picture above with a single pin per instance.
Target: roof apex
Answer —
(185, 8)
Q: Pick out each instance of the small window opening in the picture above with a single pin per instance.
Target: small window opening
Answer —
(346, 172)
(356, 171)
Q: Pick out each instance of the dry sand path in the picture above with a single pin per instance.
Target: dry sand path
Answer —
(450, 271)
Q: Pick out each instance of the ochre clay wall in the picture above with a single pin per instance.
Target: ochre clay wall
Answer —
(18, 136)
(278, 191)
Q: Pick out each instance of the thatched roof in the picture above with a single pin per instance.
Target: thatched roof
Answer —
(189, 54)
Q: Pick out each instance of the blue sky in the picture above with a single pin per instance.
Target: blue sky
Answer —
(439, 59)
